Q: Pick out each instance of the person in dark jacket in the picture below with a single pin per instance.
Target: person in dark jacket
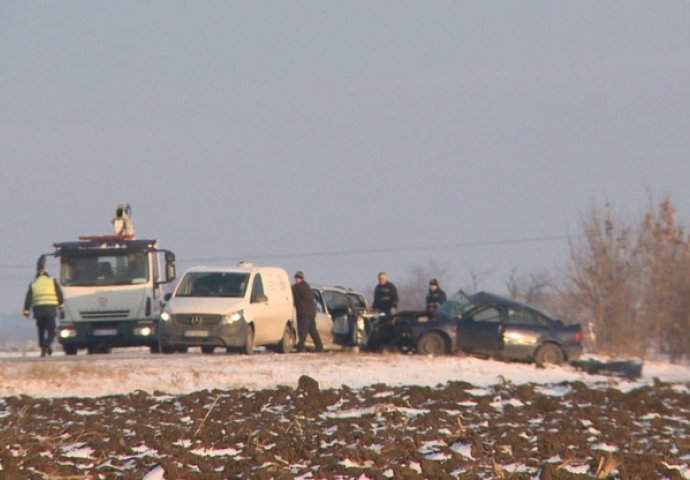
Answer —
(385, 295)
(306, 313)
(435, 298)
(45, 297)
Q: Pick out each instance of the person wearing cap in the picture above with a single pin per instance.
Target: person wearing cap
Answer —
(385, 295)
(435, 298)
(306, 313)
(44, 296)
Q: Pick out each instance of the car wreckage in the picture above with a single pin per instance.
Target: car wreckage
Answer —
(482, 324)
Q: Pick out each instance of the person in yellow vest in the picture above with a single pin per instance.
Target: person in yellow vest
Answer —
(45, 297)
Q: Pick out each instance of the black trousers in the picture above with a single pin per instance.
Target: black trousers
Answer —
(306, 325)
(45, 322)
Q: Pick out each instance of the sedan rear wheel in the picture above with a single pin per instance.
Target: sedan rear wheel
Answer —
(549, 354)
(432, 343)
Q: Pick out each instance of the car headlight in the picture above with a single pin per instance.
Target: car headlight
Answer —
(143, 331)
(165, 316)
(234, 317)
(68, 333)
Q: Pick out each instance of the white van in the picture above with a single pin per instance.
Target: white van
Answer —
(235, 308)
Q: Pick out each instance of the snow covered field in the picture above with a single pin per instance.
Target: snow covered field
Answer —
(371, 416)
(127, 371)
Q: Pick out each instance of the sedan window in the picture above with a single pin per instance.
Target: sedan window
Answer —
(489, 315)
(524, 317)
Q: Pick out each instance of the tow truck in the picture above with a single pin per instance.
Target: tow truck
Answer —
(113, 289)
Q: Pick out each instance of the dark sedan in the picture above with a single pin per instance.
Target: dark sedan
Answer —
(492, 326)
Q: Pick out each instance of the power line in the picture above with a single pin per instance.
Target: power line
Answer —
(360, 251)
(367, 251)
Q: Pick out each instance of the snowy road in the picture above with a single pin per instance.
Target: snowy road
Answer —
(127, 371)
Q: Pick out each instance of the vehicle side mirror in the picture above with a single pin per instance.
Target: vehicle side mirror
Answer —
(167, 297)
(170, 272)
(260, 299)
(169, 257)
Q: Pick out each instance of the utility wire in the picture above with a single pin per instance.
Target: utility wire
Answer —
(360, 251)
(366, 251)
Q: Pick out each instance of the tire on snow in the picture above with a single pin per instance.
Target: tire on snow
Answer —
(549, 354)
(432, 343)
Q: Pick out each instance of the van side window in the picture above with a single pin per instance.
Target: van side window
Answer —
(257, 288)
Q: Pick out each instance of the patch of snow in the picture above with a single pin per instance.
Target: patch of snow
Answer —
(605, 447)
(416, 467)
(553, 390)
(374, 410)
(479, 392)
(156, 474)
(579, 469)
(518, 468)
(347, 463)
(684, 470)
(384, 394)
(208, 452)
(681, 388)
(464, 449)
(499, 404)
(77, 450)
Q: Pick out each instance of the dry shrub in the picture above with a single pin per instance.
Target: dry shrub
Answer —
(632, 281)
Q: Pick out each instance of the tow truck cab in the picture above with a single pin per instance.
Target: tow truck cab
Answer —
(113, 292)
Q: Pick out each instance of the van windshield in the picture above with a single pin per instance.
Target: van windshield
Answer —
(96, 270)
(212, 284)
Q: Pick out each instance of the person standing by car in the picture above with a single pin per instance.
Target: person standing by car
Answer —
(385, 295)
(306, 313)
(435, 298)
(45, 297)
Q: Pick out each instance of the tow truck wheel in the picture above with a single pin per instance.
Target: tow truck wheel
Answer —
(167, 349)
(183, 349)
(431, 343)
(208, 349)
(549, 354)
(70, 350)
(248, 347)
(155, 348)
(288, 341)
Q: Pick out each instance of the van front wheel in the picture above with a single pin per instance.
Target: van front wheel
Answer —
(248, 347)
(288, 341)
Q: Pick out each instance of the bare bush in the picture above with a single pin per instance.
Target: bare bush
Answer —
(631, 280)
(532, 288)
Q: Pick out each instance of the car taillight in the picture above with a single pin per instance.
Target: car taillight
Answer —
(578, 337)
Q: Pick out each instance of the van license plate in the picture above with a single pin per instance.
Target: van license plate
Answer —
(196, 333)
(102, 332)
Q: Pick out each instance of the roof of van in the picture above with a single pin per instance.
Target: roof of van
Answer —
(243, 268)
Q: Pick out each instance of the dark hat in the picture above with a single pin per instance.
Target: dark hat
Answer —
(433, 281)
(299, 274)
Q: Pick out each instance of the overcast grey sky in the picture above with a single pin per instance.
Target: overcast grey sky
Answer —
(276, 128)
